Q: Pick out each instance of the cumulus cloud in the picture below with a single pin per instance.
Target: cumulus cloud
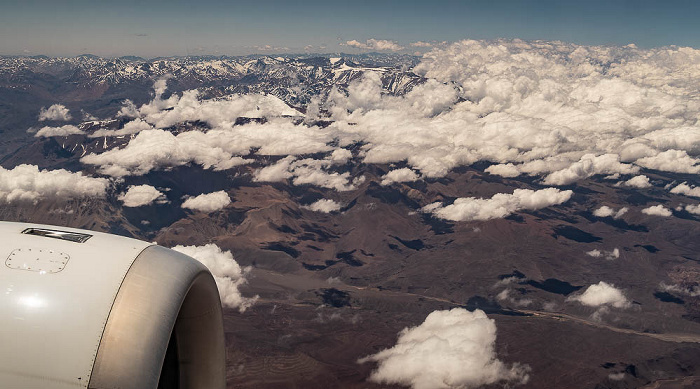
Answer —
(657, 210)
(307, 171)
(152, 149)
(276, 172)
(609, 255)
(504, 170)
(208, 202)
(340, 156)
(677, 161)
(399, 175)
(56, 112)
(69, 129)
(450, 349)
(229, 276)
(375, 44)
(640, 182)
(325, 206)
(28, 183)
(602, 294)
(589, 165)
(140, 195)
(694, 209)
(220, 148)
(687, 190)
(217, 113)
(499, 206)
(606, 211)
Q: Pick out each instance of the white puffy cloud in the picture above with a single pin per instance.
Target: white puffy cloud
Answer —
(499, 206)
(694, 209)
(609, 255)
(140, 195)
(340, 156)
(504, 170)
(276, 172)
(687, 190)
(229, 276)
(152, 149)
(218, 113)
(640, 182)
(28, 183)
(307, 171)
(375, 44)
(220, 148)
(399, 175)
(681, 138)
(68, 129)
(325, 206)
(588, 166)
(208, 202)
(602, 294)
(56, 112)
(657, 210)
(450, 349)
(312, 174)
(677, 161)
(606, 211)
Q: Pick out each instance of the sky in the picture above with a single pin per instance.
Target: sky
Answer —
(215, 27)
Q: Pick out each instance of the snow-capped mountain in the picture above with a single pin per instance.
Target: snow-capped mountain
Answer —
(97, 85)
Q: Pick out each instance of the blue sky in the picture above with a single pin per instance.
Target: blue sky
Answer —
(155, 28)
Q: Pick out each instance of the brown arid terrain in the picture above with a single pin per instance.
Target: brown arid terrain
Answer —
(336, 287)
(583, 249)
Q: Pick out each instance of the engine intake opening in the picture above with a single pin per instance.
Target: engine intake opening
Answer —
(56, 234)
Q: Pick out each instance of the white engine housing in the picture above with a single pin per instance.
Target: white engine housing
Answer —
(83, 309)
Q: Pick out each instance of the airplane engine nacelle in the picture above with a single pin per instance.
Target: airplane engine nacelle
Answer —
(83, 309)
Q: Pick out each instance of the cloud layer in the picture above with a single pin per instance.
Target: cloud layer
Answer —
(450, 349)
(562, 112)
